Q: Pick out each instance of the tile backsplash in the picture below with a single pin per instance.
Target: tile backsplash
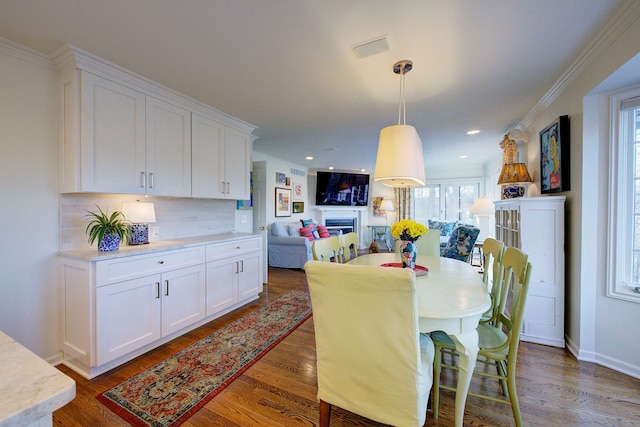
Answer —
(175, 217)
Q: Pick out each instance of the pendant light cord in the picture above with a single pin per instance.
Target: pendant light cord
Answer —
(402, 109)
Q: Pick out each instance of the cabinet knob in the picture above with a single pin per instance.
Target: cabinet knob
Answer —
(237, 247)
(161, 262)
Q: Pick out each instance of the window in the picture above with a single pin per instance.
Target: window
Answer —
(445, 201)
(624, 198)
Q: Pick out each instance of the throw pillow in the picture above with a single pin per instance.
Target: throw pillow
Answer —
(323, 231)
(306, 222)
(279, 229)
(307, 232)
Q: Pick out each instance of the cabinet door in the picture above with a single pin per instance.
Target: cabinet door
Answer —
(208, 158)
(237, 154)
(222, 284)
(183, 298)
(112, 135)
(168, 154)
(127, 317)
(249, 277)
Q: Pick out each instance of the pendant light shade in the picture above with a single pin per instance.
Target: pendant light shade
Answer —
(399, 162)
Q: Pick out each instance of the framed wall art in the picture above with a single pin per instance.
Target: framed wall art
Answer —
(297, 191)
(298, 207)
(554, 157)
(283, 202)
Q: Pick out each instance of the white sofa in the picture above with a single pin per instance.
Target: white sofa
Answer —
(286, 248)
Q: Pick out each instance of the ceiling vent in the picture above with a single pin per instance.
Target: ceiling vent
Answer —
(371, 47)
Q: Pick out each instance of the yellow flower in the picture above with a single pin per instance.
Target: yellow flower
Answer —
(408, 229)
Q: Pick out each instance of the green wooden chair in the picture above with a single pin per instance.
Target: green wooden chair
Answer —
(498, 342)
(492, 252)
(348, 246)
(327, 249)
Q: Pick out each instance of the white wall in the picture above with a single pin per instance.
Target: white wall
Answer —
(29, 206)
(274, 165)
(596, 325)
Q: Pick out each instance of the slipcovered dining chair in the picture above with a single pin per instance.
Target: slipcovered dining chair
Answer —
(371, 357)
(460, 243)
(428, 244)
(348, 243)
(492, 251)
(327, 249)
(499, 341)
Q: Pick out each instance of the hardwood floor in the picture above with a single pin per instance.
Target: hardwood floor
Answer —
(280, 389)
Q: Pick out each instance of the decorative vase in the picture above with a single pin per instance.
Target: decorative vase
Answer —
(109, 242)
(408, 252)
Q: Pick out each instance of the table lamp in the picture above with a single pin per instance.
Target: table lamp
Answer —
(483, 208)
(139, 215)
(386, 206)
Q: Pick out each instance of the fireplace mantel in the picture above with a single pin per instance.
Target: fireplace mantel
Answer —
(356, 212)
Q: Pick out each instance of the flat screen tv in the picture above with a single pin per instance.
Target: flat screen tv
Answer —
(342, 189)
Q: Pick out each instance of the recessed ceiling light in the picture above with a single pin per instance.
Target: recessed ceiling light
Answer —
(464, 156)
(309, 157)
(473, 132)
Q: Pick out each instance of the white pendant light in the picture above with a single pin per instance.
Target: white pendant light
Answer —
(400, 162)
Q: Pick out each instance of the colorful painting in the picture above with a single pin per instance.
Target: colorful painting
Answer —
(554, 156)
(377, 201)
(283, 202)
(297, 191)
(247, 204)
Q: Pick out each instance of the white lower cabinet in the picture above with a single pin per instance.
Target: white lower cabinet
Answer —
(119, 308)
(132, 314)
(127, 317)
(233, 279)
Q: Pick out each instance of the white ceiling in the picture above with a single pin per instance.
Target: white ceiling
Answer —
(287, 66)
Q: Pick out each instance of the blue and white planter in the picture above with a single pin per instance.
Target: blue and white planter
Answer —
(109, 242)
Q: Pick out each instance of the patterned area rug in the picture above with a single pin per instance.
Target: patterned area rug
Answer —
(168, 393)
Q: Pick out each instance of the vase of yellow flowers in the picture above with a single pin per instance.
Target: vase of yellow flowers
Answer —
(408, 231)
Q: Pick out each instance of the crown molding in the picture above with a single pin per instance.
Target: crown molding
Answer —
(624, 17)
(22, 52)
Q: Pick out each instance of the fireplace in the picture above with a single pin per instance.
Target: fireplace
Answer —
(347, 219)
(346, 225)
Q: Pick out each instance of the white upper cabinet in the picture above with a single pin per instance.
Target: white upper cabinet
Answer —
(168, 150)
(221, 160)
(122, 133)
(108, 152)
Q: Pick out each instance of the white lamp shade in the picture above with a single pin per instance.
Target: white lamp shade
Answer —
(399, 162)
(138, 213)
(482, 206)
(386, 205)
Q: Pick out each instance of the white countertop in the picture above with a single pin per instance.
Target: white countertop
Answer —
(93, 254)
(30, 388)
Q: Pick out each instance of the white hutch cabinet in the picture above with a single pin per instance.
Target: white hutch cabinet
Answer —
(536, 226)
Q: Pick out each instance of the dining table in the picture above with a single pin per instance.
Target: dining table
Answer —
(452, 298)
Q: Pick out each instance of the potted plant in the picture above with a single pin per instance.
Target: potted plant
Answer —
(109, 230)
